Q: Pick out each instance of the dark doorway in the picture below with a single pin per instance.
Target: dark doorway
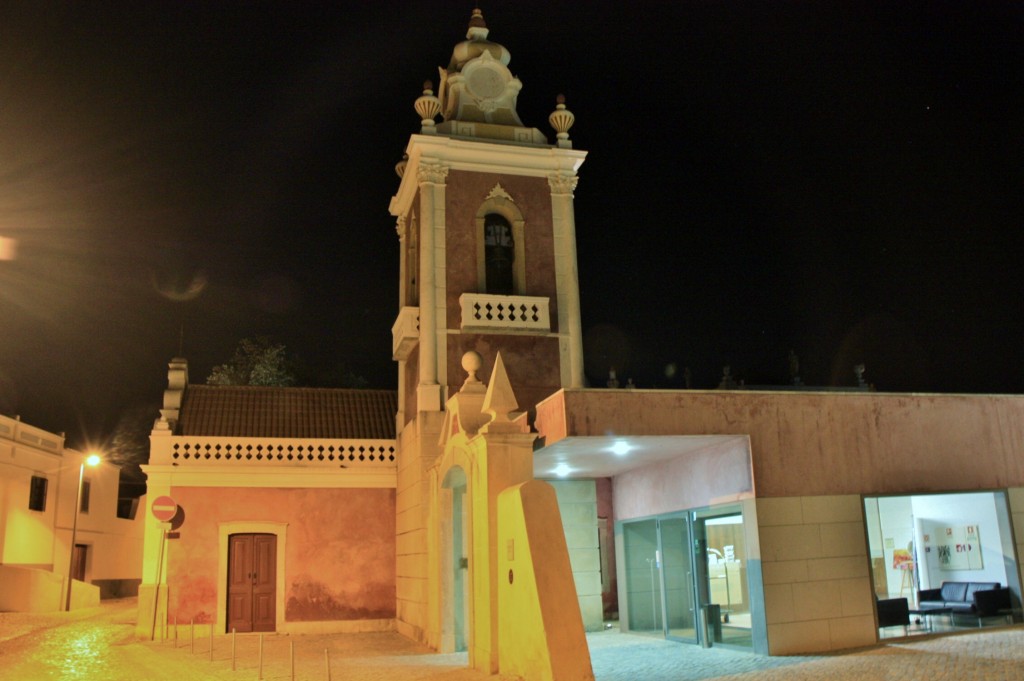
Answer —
(78, 562)
(499, 255)
(252, 580)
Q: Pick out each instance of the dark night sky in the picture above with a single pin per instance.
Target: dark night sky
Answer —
(840, 179)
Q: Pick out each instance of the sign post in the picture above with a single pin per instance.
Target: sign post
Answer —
(163, 509)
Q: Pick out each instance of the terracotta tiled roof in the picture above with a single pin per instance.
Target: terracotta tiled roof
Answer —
(250, 411)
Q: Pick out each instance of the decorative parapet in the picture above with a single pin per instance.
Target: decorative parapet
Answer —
(405, 333)
(23, 434)
(184, 450)
(507, 314)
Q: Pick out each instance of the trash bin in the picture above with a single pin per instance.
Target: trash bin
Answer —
(711, 616)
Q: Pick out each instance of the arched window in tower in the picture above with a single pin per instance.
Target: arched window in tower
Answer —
(499, 255)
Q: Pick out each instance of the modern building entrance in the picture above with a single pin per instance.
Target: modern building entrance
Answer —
(252, 580)
(686, 577)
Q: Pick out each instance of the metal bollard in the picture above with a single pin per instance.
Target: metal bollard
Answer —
(192, 636)
(175, 631)
(327, 663)
(291, 657)
(211, 641)
(232, 649)
(260, 676)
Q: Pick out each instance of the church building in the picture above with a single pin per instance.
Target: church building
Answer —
(494, 503)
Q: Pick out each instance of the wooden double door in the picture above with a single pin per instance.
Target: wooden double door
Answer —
(252, 582)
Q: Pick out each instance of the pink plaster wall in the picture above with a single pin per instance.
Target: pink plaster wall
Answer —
(532, 363)
(822, 443)
(712, 475)
(464, 194)
(340, 560)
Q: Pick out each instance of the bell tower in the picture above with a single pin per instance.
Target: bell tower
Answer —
(485, 218)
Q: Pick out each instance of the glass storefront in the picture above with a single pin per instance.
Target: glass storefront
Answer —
(686, 577)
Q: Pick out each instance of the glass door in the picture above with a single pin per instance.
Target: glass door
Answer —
(722, 576)
(643, 576)
(677, 572)
(683, 567)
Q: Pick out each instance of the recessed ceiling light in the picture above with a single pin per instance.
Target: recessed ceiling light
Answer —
(620, 448)
(562, 470)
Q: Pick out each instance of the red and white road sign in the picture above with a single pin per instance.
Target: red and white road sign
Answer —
(164, 509)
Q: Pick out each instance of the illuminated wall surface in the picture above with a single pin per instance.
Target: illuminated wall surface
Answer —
(34, 542)
(340, 561)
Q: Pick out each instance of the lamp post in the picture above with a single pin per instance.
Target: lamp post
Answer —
(91, 460)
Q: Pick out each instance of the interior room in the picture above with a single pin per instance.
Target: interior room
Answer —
(919, 543)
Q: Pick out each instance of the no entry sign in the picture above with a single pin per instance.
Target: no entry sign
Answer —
(164, 509)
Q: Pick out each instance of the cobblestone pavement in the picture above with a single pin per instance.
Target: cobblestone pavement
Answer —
(99, 644)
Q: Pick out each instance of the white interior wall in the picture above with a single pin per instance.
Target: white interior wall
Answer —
(919, 519)
(896, 522)
(937, 512)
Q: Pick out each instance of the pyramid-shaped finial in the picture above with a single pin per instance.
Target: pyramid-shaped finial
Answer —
(499, 401)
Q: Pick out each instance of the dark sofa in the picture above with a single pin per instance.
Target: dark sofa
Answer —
(981, 599)
(893, 612)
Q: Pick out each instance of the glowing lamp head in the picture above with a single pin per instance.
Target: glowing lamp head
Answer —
(92, 460)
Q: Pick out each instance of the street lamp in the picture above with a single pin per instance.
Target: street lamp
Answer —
(91, 460)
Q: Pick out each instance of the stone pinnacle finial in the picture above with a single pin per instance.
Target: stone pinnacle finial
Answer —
(400, 166)
(471, 363)
(500, 401)
(561, 119)
(428, 107)
(477, 26)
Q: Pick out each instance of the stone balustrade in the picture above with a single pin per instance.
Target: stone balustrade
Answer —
(506, 314)
(255, 451)
(405, 332)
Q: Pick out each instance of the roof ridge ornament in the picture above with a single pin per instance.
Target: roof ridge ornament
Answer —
(561, 119)
(498, 192)
(428, 107)
(477, 26)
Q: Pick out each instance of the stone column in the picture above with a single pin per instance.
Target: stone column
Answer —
(431, 177)
(402, 230)
(567, 279)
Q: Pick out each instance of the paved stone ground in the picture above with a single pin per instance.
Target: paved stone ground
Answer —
(99, 645)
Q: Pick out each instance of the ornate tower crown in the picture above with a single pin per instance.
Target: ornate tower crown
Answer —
(478, 93)
(477, 85)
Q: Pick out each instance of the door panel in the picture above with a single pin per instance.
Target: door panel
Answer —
(678, 573)
(78, 562)
(643, 575)
(252, 580)
(263, 590)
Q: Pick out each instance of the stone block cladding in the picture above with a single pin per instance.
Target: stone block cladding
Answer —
(817, 582)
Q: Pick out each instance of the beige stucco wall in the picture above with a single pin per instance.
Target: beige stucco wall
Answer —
(31, 590)
(577, 504)
(41, 539)
(805, 443)
(539, 628)
(817, 585)
(418, 450)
